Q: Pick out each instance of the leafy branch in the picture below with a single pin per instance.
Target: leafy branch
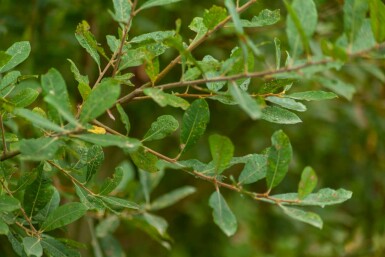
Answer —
(190, 48)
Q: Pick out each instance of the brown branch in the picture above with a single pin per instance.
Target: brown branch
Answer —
(9, 155)
(186, 95)
(259, 74)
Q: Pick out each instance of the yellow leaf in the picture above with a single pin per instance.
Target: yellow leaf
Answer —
(97, 130)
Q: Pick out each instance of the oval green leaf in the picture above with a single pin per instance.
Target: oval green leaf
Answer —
(222, 214)
(64, 215)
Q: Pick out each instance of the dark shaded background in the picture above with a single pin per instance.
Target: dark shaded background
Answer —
(343, 141)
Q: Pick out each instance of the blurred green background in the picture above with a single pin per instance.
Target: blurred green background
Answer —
(342, 140)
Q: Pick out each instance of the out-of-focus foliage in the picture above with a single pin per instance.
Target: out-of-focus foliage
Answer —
(342, 140)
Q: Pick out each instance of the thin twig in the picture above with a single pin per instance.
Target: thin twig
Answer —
(184, 95)
(9, 155)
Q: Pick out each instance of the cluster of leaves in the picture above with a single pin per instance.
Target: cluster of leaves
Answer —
(66, 142)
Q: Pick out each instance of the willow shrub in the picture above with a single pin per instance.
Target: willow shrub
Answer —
(48, 142)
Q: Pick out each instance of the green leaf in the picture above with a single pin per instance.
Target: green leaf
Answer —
(278, 159)
(354, 16)
(264, 18)
(4, 229)
(56, 248)
(153, 3)
(171, 198)
(111, 183)
(287, 103)
(122, 10)
(39, 149)
(8, 203)
(15, 241)
(9, 79)
(4, 59)
(210, 66)
(307, 183)
(19, 51)
(126, 143)
(377, 19)
(32, 246)
(246, 102)
(111, 246)
(300, 24)
(23, 97)
(222, 150)
(157, 36)
(107, 226)
(118, 203)
(93, 107)
(162, 127)
(125, 79)
(152, 68)
(312, 95)
(159, 223)
(132, 58)
(55, 89)
(197, 165)
(144, 160)
(222, 214)
(95, 158)
(64, 215)
(307, 217)
(51, 205)
(194, 123)
(38, 120)
(339, 87)
(87, 40)
(149, 181)
(198, 26)
(239, 62)
(91, 202)
(164, 99)
(336, 51)
(365, 39)
(234, 16)
(124, 118)
(254, 170)
(26, 179)
(323, 197)
(79, 78)
(278, 115)
(214, 16)
(38, 194)
(83, 87)
(128, 173)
